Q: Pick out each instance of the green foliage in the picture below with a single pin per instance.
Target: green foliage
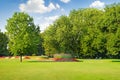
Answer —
(23, 34)
(44, 57)
(85, 33)
(62, 55)
(40, 46)
(49, 41)
(3, 44)
(110, 26)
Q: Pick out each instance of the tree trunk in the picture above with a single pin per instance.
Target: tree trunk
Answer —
(21, 58)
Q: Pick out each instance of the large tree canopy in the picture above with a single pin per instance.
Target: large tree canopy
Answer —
(86, 33)
(23, 34)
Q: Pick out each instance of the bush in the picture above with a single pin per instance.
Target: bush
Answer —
(57, 56)
(44, 57)
(68, 56)
(34, 54)
(62, 56)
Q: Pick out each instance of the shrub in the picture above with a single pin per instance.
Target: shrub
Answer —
(44, 57)
(57, 55)
(66, 56)
(34, 54)
(62, 56)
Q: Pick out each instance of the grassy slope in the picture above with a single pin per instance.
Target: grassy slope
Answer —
(87, 70)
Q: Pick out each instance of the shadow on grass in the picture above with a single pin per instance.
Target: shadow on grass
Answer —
(116, 61)
(54, 61)
(40, 61)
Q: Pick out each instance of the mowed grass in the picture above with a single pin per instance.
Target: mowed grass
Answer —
(86, 70)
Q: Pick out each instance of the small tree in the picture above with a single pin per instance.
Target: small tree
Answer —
(23, 34)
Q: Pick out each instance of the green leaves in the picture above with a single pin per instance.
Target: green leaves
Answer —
(87, 33)
(22, 33)
(3, 44)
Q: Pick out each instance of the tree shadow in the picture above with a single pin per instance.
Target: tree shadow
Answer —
(52, 61)
(39, 61)
(116, 61)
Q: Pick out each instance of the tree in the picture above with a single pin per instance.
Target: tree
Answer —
(86, 33)
(50, 43)
(64, 34)
(3, 44)
(41, 50)
(23, 34)
(58, 37)
(110, 24)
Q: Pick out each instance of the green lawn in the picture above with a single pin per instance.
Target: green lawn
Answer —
(86, 70)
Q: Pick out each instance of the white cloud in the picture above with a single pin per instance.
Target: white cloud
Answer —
(51, 18)
(44, 22)
(58, 6)
(37, 6)
(97, 4)
(65, 1)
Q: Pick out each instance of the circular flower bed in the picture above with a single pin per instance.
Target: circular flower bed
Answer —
(64, 58)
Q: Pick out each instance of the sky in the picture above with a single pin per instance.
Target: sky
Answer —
(45, 12)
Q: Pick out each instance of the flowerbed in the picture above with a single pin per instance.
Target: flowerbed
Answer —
(64, 58)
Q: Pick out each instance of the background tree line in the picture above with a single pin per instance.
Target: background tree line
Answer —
(84, 33)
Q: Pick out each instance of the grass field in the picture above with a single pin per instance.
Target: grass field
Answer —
(86, 70)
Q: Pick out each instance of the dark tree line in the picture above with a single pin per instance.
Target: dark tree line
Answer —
(3, 44)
